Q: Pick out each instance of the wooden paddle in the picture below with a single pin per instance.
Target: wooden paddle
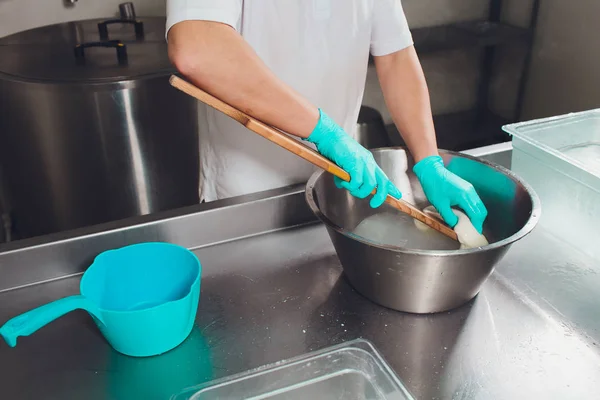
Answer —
(294, 146)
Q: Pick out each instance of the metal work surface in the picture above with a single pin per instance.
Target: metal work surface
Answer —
(531, 333)
(259, 306)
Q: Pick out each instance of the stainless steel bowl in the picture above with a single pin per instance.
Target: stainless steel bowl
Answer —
(424, 281)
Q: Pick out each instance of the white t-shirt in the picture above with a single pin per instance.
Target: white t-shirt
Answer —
(318, 47)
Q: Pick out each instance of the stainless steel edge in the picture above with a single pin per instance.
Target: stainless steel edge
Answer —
(62, 254)
(54, 256)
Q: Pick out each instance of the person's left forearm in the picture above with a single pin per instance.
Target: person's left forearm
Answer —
(407, 98)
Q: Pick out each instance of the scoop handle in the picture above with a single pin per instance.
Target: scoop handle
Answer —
(29, 322)
(293, 146)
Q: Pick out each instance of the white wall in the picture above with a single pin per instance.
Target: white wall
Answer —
(563, 76)
(452, 75)
(19, 15)
(565, 71)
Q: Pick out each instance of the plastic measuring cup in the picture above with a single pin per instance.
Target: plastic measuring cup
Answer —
(142, 297)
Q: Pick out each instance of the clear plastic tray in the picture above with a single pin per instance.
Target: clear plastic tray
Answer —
(563, 141)
(350, 371)
(560, 158)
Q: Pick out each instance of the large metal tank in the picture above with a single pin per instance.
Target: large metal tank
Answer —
(90, 129)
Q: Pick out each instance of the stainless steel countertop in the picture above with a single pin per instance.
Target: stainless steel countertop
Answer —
(532, 332)
(520, 338)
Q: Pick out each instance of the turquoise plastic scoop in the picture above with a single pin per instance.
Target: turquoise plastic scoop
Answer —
(142, 297)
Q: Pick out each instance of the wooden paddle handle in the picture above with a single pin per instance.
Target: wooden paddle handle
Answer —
(301, 150)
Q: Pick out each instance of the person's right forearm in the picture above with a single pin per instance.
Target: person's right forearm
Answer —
(214, 57)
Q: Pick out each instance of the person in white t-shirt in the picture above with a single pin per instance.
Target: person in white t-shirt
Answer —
(301, 65)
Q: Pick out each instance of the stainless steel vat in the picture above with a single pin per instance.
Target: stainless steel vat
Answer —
(91, 130)
(424, 281)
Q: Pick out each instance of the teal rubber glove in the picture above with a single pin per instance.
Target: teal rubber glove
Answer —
(365, 175)
(445, 189)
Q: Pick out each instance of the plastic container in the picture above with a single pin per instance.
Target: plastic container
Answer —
(350, 371)
(142, 297)
(560, 158)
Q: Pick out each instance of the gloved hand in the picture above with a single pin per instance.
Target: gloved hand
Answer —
(445, 189)
(365, 175)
